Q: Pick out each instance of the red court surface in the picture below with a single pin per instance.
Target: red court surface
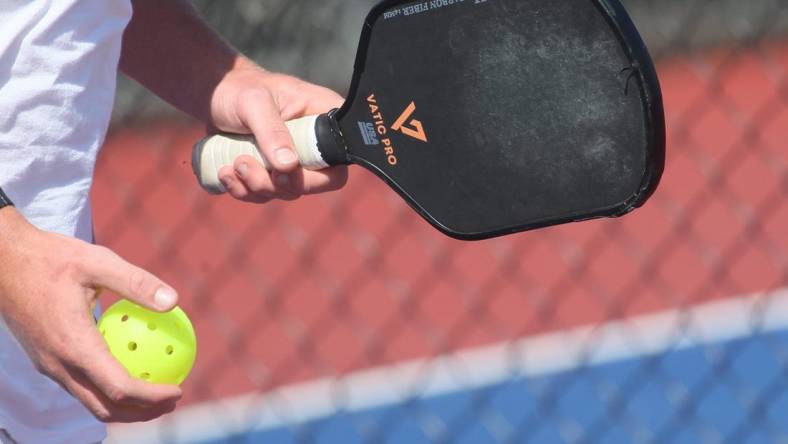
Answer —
(290, 291)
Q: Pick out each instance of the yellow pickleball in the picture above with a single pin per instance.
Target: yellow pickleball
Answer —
(156, 347)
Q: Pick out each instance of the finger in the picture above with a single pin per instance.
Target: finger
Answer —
(236, 187)
(331, 179)
(264, 185)
(129, 414)
(255, 178)
(260, 186)
(114, 381)
(104, 409)
(261, 115)
(233, 184)
(110, 271)
(87, 394)
(105, 372)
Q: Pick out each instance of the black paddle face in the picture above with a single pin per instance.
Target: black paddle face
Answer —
(497, 116)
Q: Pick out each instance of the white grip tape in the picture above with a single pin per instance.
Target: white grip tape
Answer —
(215, 152)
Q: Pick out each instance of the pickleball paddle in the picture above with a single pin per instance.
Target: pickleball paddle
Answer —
(491, 117)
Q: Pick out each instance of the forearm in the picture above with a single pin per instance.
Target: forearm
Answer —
(170, 50)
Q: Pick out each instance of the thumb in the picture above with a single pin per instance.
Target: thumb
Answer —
(111, 272)
(261, 114)
(322, 100)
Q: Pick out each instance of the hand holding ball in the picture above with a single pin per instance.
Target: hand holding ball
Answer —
(159, 348)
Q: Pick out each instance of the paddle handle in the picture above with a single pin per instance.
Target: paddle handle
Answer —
(213, 153)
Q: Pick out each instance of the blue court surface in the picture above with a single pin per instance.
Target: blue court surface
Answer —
(713, 373)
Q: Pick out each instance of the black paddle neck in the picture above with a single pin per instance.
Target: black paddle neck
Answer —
(329, 139)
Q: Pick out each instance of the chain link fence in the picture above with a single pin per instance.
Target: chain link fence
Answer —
(345, 318)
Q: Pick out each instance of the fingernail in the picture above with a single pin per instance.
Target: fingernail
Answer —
(164, 298)
(226, 181)
(283, 180)
(286, 156)
(243, 169)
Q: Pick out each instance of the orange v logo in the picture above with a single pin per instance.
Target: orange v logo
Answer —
(417, 130)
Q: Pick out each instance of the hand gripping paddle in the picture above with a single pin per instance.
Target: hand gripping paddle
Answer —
(491, 117)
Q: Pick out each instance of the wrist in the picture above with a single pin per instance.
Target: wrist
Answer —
(13, 225)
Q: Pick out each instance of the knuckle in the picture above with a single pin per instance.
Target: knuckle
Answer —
(258, 183)
(117, 394)
(44, 367)
(245, 159)
(47, 365)
(237, 192)
(68, 354)
(227, 171)
(260, 189)
(139, 282)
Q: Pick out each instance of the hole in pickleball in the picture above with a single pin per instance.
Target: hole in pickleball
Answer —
(151, 326)
(132, 345)
(103, 332)
(169, 349)
(124, 318)
(145, 376)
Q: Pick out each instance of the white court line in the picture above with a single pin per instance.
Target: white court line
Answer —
(533, 356)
